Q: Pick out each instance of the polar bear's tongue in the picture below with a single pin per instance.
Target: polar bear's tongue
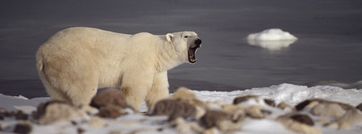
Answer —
(192, 55)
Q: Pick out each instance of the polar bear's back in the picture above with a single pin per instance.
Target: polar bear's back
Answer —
(86, 36)
(80, 42)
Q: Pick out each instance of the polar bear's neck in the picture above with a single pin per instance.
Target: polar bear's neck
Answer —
(167, 57)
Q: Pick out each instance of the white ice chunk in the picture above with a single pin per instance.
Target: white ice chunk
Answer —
(272, 39)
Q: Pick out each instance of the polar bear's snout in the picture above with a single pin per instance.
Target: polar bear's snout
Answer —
(198, 42)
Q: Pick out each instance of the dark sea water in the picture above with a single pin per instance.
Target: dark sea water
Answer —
(329, 45)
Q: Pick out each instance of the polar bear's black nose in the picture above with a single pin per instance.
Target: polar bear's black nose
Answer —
(197, 41)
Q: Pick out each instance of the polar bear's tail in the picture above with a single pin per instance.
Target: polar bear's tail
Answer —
(40, 67)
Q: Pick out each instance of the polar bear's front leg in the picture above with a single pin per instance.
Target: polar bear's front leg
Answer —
(159, 89)
(135, 86)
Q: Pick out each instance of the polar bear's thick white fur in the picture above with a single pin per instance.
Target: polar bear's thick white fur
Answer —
(77, 61)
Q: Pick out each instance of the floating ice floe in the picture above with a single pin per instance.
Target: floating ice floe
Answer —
(271, 39)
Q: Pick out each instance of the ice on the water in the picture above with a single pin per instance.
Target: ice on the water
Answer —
(271, 39)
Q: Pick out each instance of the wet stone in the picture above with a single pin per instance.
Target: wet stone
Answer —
(359, 107)
(241, 99)
(22, 128)
(109, 96)
(302, 118)
(213, 118)
(110, 112)
(174, 108)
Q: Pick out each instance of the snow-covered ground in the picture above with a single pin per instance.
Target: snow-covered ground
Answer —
(138, 123)
(271, 39)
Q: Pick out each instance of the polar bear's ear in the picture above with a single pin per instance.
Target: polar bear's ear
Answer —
(169, 37)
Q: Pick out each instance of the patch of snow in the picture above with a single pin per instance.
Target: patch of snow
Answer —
(272, 39)
(269, 127)
(289, 93)
(11, 102)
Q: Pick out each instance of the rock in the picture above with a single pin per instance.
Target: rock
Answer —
(212, 118)
(359, 107)
(299, 123)
(109, 96)
(270, 102)
(22, 128)
(184, 127)
(241, 99)
(188, 96)
(80, 130)
(350, 119)
(111, 111)
(257, 99)
(174, 108)
(302, 118)
(2, 113)
(54, 111)
(314, 102)
(300, 106)
(19, 115)
(284, 106)
(237, 112)
(184, 93)
(257, 112)
(220, 120)
(327, 111)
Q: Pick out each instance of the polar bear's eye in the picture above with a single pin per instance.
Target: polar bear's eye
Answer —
(186, 36)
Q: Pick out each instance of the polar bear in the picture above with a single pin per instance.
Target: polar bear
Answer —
(75, 62)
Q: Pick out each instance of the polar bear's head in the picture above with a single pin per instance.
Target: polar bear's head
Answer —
(185, 43)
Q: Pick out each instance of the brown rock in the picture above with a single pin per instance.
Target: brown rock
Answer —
(257, 112)
(41, 109)
(19, 115)
(350, 119)
(80, 130)
(359, 107)
(302, 118)
(54, 111)
(237, 112)
(174, 108)
(270, 102)
(188, 96)
(302, 105)
(184, 94)
(212, 118)
(109, 96)
(111, 111)
(283, 106)
(22, 128)
(306, 103)
(221, 120)
(2, 113)
(298, 123)
(241, 99)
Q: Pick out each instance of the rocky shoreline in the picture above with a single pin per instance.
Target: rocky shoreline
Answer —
(184, 113)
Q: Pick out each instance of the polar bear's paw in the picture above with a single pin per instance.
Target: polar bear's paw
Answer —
(89, 110)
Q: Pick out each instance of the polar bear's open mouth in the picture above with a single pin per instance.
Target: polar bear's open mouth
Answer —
(192, 54)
